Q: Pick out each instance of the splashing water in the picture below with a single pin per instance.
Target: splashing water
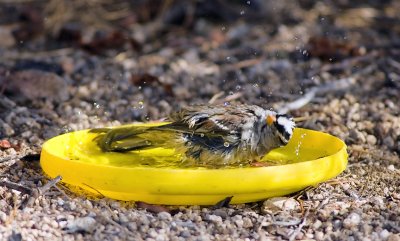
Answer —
(297, 150)
(141, 104)
(96, 105)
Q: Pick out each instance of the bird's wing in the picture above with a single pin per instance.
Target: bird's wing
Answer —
(212, 120)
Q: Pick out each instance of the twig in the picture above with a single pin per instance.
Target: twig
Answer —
(101, 194)
(16, 186)
(244, 64)
(9, 158)
(235, 96)
(216, 97)
(300, 227)
(340, 84)
(37, 192)
(49, 185)
(50, 53)
(344, 64)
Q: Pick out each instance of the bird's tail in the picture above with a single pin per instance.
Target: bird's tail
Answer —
(129, 138)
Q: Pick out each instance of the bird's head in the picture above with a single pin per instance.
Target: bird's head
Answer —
(281, 127)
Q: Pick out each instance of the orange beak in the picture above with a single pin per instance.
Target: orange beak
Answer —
(270, 119)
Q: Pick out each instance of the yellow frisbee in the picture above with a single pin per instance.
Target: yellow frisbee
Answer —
(155, 176)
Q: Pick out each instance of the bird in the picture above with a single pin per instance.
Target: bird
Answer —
(212, 135)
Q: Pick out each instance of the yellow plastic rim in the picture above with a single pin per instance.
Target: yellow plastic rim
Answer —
(311, 157)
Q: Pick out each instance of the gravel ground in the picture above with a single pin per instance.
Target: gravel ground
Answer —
(47, 90)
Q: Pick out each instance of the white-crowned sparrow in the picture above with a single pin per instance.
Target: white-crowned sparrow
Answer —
(210, 135)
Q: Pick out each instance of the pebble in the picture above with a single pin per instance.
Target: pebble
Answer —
(391, 167)
(394, 237)
(3, 216)
(319, 235)
(222, 213)
(352, 220)
(164, 216)
(214, 218)
(280, 203)
(85, 224)
(384, 234)
(247, 223)
(317, 224)
(6, 129)
(72, 206)
(371, 139)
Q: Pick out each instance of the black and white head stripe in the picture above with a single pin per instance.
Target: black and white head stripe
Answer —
(285, 125)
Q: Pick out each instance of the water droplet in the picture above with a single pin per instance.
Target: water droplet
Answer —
(140, 87)
(242, 12)
(202, 135)
(228, 58)
(96, 105)
(141, 104)
(148, 143)
(147, 117)
(255, 85)
(248, 2)
(226, 103)
(305, 52)
(223, 28)
(226, 144)
(297, 149)
(238, 87)
(231, 93)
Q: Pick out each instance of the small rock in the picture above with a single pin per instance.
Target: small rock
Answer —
(214, 218)
(279, 204)
(389, 142)
(317, 224)
(247, 223)
(3, 216)
(85, 224)
(164, 216)
(5, 144)
(391, 168)
(239, 223)
(6, 129)
(384, 234)
(15, 236)
(220, 212)
(60, 202)
(319, 235)
(72, 206)
(394, 237)
(352, 220)
(371, 139)
(185, 234)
